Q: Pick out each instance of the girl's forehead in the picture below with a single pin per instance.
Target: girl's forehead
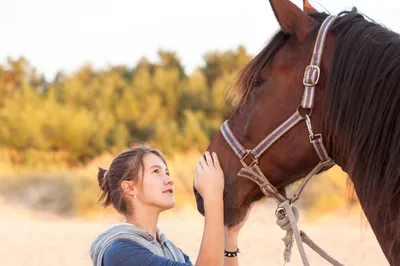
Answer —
(153, 160)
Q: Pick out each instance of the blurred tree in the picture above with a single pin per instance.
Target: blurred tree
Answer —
(195, 93)
(224, 63)
(170, 60)
(89, 111)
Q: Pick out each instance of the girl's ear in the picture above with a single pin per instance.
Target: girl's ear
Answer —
(128, 188)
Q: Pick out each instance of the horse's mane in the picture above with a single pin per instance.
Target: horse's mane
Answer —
(362, 107)
(362, 104)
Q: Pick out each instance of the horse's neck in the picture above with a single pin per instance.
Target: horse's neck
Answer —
(386, 232)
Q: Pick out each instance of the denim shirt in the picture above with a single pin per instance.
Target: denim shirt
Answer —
(128, 253)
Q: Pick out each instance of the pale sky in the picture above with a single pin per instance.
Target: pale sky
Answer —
(65, 34)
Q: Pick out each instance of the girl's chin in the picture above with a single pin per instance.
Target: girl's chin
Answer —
(168, 205)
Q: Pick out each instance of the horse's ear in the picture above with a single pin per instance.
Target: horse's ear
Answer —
(308, 8)
(292, 19)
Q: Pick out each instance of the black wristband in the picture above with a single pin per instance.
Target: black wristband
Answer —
(231, 254)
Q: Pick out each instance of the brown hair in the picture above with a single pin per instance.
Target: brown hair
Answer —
(125, 166)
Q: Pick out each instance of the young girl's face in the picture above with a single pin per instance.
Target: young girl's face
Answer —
(156, 188)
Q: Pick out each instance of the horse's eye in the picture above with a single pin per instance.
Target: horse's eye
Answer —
(257, 82)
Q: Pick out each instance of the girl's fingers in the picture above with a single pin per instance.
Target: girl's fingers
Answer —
(215, 158)
(209, 159)
(202, 162)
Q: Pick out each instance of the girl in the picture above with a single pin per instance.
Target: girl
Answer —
(139, 186)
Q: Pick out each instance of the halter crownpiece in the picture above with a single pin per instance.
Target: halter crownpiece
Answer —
(252, 170)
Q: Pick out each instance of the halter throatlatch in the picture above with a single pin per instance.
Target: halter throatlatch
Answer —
(252, 170)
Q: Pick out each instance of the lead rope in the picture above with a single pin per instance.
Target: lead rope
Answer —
(287, 218)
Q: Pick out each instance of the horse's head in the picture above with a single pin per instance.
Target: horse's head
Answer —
(350, 84)
(267, 92)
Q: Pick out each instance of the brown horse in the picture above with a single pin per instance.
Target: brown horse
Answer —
(356, 110)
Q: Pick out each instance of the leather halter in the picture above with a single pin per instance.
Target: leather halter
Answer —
(252, 171)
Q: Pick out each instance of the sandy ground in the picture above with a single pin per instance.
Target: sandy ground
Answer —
(33, 239)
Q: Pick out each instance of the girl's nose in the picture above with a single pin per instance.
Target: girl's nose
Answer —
(169, 180)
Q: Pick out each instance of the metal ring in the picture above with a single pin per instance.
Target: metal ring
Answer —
(280, 212)
(304, 116)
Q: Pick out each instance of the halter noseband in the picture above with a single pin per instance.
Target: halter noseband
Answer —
(252, 171)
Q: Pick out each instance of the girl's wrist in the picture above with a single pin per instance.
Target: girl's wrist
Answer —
(231, 240)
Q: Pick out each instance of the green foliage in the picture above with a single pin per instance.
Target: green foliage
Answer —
(90, 111)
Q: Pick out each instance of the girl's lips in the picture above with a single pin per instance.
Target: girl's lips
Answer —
(169, 191)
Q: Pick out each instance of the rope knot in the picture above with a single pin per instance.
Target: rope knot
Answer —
(287, 217)
(282, 220)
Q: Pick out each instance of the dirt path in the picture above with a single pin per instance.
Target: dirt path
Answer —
(34, 239)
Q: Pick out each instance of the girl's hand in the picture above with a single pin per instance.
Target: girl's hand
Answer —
(209, 178)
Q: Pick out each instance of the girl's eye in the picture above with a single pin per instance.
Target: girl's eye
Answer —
(157, 171)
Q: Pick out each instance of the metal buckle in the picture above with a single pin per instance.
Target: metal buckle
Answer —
(314, 77)
(315, 137)
(254, 160)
